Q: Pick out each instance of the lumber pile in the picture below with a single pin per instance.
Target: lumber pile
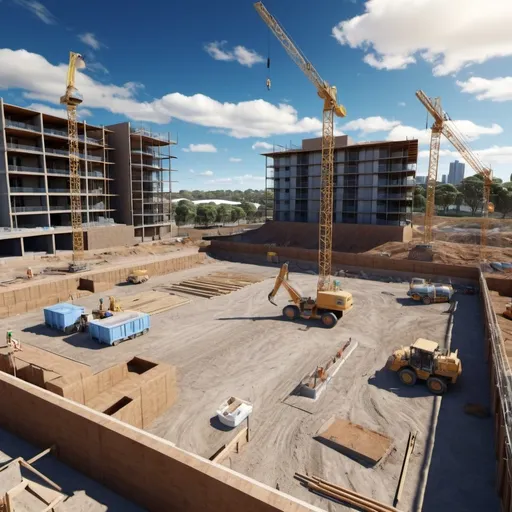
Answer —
(153, 302)
(342, 494)
(214, 285)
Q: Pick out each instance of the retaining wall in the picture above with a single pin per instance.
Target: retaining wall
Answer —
(141, 467)
(109, 236)
(40, 293)
(349, 259)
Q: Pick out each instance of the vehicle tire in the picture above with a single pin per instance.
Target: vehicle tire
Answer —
(436, 385)
(427, 301)
(407, 376)
(329, 320)
(291, 312)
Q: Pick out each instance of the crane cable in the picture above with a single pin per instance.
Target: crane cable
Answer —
(268, 81)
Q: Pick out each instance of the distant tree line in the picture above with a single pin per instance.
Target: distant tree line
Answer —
(469, 192)
(209, 214)
(242, 196)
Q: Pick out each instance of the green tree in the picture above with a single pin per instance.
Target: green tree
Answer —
(459, 200)
(249, 209)
(503, 201)
(185, 213)
(206, 214)
(445, 196)
(224, 213)
(472, 189)
(237, 213)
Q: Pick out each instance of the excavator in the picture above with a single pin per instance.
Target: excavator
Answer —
(328, 307)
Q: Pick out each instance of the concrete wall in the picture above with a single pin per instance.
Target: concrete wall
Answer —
(139, 466)
(111, 236)
(122, 183)
(346, 237)
(28, 296)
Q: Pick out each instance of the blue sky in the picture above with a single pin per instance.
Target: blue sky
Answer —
(198, 69)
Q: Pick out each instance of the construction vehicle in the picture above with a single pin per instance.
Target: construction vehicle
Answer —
(329, 306)
(113, 307)
(424, 360)
(428, 292)
(137, 277)
(331, 108)
(508, 311)
(444, 126)
(72, 99)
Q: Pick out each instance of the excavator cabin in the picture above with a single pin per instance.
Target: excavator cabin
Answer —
(329, 306)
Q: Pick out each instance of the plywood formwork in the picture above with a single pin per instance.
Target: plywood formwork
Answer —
(214, 285)
(354, 440)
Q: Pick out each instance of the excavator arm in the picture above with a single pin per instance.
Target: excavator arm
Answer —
(282, 280)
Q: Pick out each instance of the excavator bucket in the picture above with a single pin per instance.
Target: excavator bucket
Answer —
(270, 298)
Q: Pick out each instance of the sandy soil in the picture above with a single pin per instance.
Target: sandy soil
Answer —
(239, 345)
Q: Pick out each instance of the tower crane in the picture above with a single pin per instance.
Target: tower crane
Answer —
(331, 108)
(443, 126)
(72, 99)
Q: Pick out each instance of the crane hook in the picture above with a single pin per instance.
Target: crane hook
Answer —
(269, 84)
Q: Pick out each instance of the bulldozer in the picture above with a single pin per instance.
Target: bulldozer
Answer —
(329, 306)
(138, 276)
(424, 360)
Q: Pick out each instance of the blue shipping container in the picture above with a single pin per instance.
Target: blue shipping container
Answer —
(62, 316)
(119, 327)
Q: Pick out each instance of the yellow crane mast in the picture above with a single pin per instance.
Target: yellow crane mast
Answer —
(443, 126)
(331, 108)
(72, 99)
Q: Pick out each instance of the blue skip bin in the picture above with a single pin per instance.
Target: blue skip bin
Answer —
(120, 327)
(62, 316)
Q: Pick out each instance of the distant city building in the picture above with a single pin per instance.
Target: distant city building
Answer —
(421, 180)
(456, 173)
(443, 179)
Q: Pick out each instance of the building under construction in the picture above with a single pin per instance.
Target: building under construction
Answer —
(374, 181)
(125, 181)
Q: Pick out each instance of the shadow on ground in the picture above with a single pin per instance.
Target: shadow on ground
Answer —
(389, 381)
(463, 467)
(70, 480)
(215, 423)
(76, 339)
(280, 318)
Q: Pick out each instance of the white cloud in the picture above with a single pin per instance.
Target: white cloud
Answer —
(449, 35)
(235, 160)
(206, 173)
(402, 132)
(200, 148)
(43, 81)
(262, 145)
(370, 125)
(37, 9)
(90, 40)
(97, 66)
(401, 104)
(192, 171)
(495, 155)
(58, 112)
(496, 89)
(242, 55)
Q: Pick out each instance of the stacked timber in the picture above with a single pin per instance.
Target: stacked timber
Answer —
(214, 285)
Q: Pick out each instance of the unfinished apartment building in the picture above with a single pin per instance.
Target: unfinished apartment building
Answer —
(143, 176)
(373, 182)
(35, 210)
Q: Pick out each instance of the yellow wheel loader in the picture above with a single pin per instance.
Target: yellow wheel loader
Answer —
(426, 361)
(329, 306)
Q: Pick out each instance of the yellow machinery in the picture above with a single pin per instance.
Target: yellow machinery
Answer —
(508, 311)
(138, 276)
(72, 99)
(328, 307)
(443, 126)
(426, 361)
(113, 307)
(331, 108)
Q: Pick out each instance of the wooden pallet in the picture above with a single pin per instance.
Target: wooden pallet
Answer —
(153, 302)
(214, 285)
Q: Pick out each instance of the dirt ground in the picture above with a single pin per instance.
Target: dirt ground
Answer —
(240, 345)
